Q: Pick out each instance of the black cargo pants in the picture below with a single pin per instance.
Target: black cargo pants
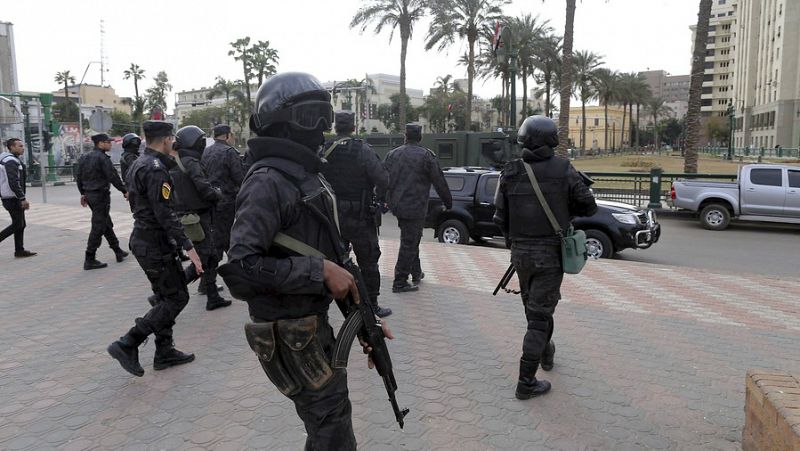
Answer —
(223, 221)
(361, 232)
(100, 204)
(408, 255)
(540, 275)
(159, 260)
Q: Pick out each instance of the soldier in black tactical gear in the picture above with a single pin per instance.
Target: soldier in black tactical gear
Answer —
(131, 143)
(94, 178)
(194, 195)
(354, 171)
(223, 166)
(288, 295)
(157, 235)
(535, 247)
(412, 170)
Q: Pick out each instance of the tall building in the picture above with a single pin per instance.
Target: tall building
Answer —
(9, 118)
(717, 91)
(767, 73)
(96, 96)
(674, 89)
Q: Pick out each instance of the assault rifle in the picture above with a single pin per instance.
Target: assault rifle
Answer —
(361, 321)
(504, 282)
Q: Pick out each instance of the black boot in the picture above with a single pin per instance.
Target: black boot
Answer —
(382, 312)
(126, 351)
(548, 356)
(201, 289)
(91, 262)
(153, 300)
(528, 386)
(120, 253)
(167, 356)
(216, 302)
(404, 288)
(417, 279)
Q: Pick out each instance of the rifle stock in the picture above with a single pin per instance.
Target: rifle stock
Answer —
(361, 321)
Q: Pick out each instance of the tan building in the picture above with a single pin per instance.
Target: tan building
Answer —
(596, 127)
(717, 91)
(767, 73)
(95, 95)
(674, 89)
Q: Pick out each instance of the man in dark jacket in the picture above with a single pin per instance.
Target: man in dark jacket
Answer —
(535, 247)
(223, 165)
(412, 170)
(157, 235)
(130, 152)
(194, 194)
(12, 192)
(289, 295)
(94, 177)
(354, 171)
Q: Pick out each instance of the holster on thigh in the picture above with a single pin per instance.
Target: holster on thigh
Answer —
(290, 353)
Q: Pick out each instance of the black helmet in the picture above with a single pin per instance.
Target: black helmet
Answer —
(538, 131)
(190, 137)
(295, 98)
(131, 141)
(345, 121)
(413, 132)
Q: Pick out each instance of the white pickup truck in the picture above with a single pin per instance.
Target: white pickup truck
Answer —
(763, 192)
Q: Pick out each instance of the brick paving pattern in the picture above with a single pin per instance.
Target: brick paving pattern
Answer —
(648, 357)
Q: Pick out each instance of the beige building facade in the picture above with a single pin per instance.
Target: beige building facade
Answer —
(596, 127)
(717, 91)
(767, 73)
(674, 89)
(96, 96)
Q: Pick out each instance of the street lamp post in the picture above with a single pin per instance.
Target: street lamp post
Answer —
(731, 117)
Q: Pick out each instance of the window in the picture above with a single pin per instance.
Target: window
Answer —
(596, 122)
(709, 65)
(711, 40)
(721, 2)
(794, 179)
(445, 150)
(766, 177)
(491, 186)
(712, 28)
(455, 183)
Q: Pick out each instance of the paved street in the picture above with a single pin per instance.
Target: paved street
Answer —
(648, 356)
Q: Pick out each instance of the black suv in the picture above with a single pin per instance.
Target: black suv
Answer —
(615, 226)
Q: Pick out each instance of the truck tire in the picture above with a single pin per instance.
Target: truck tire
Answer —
(453, 231)
(598, 244)
(715, 217)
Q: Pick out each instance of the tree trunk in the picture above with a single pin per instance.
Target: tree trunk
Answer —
(524, 112)
(566, 81)
(403, 50)
(547, 96)
(656, 144)
(583, 126)
(637, 126)
(605, 136)
(630, 125)
(624, 114)
(470, 78)
(696, 87)
(246, 80)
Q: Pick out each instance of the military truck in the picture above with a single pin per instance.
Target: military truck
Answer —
(457, 149)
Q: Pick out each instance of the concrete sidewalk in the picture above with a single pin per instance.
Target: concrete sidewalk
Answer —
(648, 357)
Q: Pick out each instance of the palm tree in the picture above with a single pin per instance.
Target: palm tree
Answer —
(640, 93)
(137, 73)
(656, 108)
(226, 88)
(546, 62)
(528, 31)
(443, 84)
(264, 60)
(586, 63)
(241, 51)
(605, 83)
(696, 87)
(65, 78)
(462, 19)
(157, 94)
(566, 81)
(402, 14)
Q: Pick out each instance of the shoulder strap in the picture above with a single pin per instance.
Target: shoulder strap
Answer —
(333, 147)
(542, 200)
(180, 164)
(293, 244)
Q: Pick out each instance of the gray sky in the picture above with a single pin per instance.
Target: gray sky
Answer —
(190, 41)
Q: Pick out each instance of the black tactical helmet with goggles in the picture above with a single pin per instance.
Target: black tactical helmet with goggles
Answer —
(190, 137)
(131, 141)
(538, 131)
(294, 98)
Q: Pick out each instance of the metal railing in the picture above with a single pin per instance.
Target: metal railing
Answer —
(644, 189)
(792, 153)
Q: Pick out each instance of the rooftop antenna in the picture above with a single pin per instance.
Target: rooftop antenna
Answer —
(103, 58)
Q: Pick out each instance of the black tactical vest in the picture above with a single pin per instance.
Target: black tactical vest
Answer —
(345, 172)
(185, 196)
(527, 219)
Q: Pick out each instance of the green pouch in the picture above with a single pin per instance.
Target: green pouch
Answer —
(573, 251)
(193, 228)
